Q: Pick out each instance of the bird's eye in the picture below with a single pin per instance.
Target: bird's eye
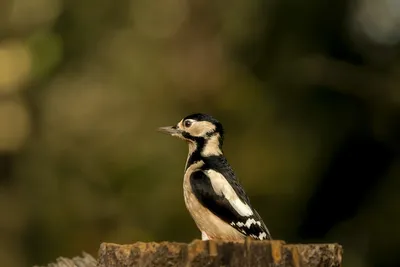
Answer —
(187, 123)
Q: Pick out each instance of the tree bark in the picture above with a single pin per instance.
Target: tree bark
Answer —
(219, 253)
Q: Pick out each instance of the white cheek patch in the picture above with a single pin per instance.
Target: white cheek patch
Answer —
(200, 128)
(222, 187)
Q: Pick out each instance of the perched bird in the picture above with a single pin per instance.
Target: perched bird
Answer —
(213, 195)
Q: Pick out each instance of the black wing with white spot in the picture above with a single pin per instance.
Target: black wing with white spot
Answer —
(216, 194)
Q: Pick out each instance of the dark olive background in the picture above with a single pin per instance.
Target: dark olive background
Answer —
(308, 93)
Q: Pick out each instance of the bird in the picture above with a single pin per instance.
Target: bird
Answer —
(215, 199)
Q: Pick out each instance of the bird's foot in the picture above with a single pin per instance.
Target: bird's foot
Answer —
(204, 236)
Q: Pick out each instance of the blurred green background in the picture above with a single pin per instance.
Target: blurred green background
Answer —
(308, 92)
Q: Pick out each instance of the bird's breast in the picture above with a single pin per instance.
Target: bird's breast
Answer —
(205, 220)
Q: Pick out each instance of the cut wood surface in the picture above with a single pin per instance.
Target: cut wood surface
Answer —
(219, 253)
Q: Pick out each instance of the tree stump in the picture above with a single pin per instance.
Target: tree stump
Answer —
(249, 253)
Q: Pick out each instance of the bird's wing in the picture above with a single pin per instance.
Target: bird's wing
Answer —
(216, 194)
(220, 164)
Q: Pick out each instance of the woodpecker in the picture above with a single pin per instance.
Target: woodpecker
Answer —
(213, 195)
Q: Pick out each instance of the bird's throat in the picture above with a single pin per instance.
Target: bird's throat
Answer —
(203, 148)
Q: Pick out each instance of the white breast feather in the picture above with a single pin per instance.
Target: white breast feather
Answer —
(222, 187)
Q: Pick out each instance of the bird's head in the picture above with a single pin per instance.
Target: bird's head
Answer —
(201, 130)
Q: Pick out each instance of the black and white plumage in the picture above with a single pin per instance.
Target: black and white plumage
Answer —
(213, 195)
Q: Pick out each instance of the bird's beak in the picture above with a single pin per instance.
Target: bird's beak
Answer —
(171, 130)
